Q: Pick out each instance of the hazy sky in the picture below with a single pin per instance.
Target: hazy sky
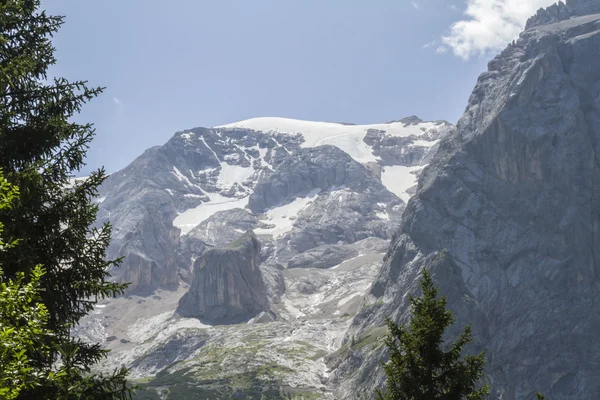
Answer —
(173, 65)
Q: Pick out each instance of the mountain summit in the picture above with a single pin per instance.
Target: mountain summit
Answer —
(264, 255)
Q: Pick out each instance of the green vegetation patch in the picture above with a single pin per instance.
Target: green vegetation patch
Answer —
(257, 384)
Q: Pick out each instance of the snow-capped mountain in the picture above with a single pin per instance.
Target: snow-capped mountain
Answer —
(297, 184)
(277, 222)
(289, 242)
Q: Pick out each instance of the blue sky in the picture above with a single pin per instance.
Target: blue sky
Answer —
(174, 65)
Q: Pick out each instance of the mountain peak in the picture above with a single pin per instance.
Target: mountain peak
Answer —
(561, 11)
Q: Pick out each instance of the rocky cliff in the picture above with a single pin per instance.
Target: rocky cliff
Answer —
(210, 311)
(227, 284)
(297, 184)
(507, 216)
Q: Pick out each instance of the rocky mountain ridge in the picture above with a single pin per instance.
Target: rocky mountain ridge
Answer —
(234, 234)
(164, 206)
(505, 215)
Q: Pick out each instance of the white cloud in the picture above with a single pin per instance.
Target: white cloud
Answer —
(430, 44)
(117, 101)
(490, 25)
(453, 7)
(414, 4)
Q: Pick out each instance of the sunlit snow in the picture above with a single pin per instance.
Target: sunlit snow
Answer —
(187, 220)
(398, 179)
(348, 138)
(283, 217)
(232, 174)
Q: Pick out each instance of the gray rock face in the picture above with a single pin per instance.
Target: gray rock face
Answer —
(561, 12)
(223, 227)
(156, 204)
(328, 256)
(392, 149)
(351, 204)
(143, 232)
(342, 217)
(309, 169)
(584, 7)
(323, 257)
(274, 282)
(555, 13)
(179, 210)
(513, 197)
(228, 285)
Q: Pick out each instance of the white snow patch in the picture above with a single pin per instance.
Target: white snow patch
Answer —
(283, 217)
(195, 196)
(100, 199)
(160, 326)
(383, 215)
(181, 177)
(232, 157)
(424, 143)
(399, 178)
(351, 143)
(347, 299)
(232, 174)
(73, 181)
(336, 193)
(348, 138)
(262, 152)
(187, 220)
(210, 148)
(169, 191)
(187, 135)
(345, 261)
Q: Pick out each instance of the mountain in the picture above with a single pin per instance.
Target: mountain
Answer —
(297, 184)
(250, 247)
(266, 254)
(507, 217)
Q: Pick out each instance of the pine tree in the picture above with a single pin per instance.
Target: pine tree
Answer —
(421, 365)
(40, 149)
(22, 317)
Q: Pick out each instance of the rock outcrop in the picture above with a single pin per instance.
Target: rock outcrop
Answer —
(323, 257)
(561, 12)
(205, 187)
(319, 168)
(227, 284)
(514, 197)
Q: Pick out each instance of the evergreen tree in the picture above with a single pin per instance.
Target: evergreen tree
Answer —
(22, 317)
(419, 368)
(40, 149)
(22, 331)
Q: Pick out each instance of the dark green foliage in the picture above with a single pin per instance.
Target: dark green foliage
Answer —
(40, 149)
(22, 318)
(421, 365)
(182, 385)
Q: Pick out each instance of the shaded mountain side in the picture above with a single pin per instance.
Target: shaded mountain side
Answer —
(227, 284)
(513, 196)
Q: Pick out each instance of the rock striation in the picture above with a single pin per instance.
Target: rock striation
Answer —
(227, 284)
(561, 12)
(507, 216)
(205, 187)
